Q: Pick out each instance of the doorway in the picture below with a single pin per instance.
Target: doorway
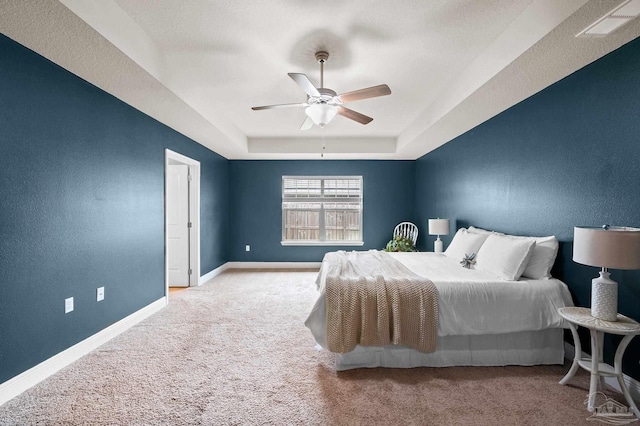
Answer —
(182, 221)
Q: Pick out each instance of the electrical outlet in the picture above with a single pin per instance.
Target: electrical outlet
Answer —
(100, 294)
(247, 248)
(68, 305)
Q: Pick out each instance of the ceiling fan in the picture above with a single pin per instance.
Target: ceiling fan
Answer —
(323, 104)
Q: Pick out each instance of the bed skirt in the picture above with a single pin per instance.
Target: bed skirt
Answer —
(522, 348)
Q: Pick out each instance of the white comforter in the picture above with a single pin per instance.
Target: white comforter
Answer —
(471, 302)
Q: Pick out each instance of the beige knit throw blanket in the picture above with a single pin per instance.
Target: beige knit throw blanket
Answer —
(374, 300)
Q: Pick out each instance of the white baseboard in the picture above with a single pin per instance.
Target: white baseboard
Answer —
(23, 381)
(632, 384)
(273, 265)
(257, 265)
(209, 275)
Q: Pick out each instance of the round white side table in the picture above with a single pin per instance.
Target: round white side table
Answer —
(624, 326)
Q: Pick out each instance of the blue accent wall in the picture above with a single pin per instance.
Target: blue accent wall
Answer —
(256, 194)
(82, 207)
(567, 156)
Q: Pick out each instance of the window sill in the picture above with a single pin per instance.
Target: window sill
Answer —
(322, 243)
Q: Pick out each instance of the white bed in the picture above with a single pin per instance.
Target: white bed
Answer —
(482, 320)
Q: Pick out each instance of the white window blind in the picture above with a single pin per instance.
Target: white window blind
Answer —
(322, 210)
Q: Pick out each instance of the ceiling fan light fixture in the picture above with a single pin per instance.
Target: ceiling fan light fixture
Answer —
(323, 103)
(321, 114)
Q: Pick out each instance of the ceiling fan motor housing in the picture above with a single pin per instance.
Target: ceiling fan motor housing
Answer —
(322, 56)
(327, 96)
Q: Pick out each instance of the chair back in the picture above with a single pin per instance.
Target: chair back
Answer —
(407, 230)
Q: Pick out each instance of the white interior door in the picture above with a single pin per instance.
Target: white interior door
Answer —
(178, 225)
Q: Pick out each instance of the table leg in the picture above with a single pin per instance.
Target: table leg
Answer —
(576, 356)
(617, 365)
(595, 364)
(601, 383)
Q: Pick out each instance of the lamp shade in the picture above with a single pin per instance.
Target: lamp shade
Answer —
(614, 247)
(321, 114)
(438, 226)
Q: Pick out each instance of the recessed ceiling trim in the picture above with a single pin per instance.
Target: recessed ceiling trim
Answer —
(112, 23)
(115, 25)
(535, 22)
(315, 145)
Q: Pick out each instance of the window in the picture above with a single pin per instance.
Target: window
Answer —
(322, 210)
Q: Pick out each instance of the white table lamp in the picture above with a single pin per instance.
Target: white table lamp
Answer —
(614, 247)
(438, 227)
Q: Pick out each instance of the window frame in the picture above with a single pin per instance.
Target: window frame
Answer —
(321, 221)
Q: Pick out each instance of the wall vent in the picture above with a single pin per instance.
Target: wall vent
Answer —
(613, 20)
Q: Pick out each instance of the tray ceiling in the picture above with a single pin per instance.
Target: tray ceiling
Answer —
(199, 66)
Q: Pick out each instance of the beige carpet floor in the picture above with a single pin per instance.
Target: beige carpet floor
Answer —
(235, 352)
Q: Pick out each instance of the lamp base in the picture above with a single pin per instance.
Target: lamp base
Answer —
(438, 245)
(604, 297)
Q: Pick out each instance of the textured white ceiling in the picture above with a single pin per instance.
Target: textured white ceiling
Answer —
(199, 66)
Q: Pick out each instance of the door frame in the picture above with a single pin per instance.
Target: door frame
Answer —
(172, 157)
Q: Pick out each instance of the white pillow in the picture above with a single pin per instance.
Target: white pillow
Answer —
(504, 256)
(542, 258)
(475, 230)
(464, 243)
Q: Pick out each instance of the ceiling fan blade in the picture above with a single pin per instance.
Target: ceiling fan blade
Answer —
(304, 82)
(369, 92)
(307, 124)
(258, 108)
(355, 116)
